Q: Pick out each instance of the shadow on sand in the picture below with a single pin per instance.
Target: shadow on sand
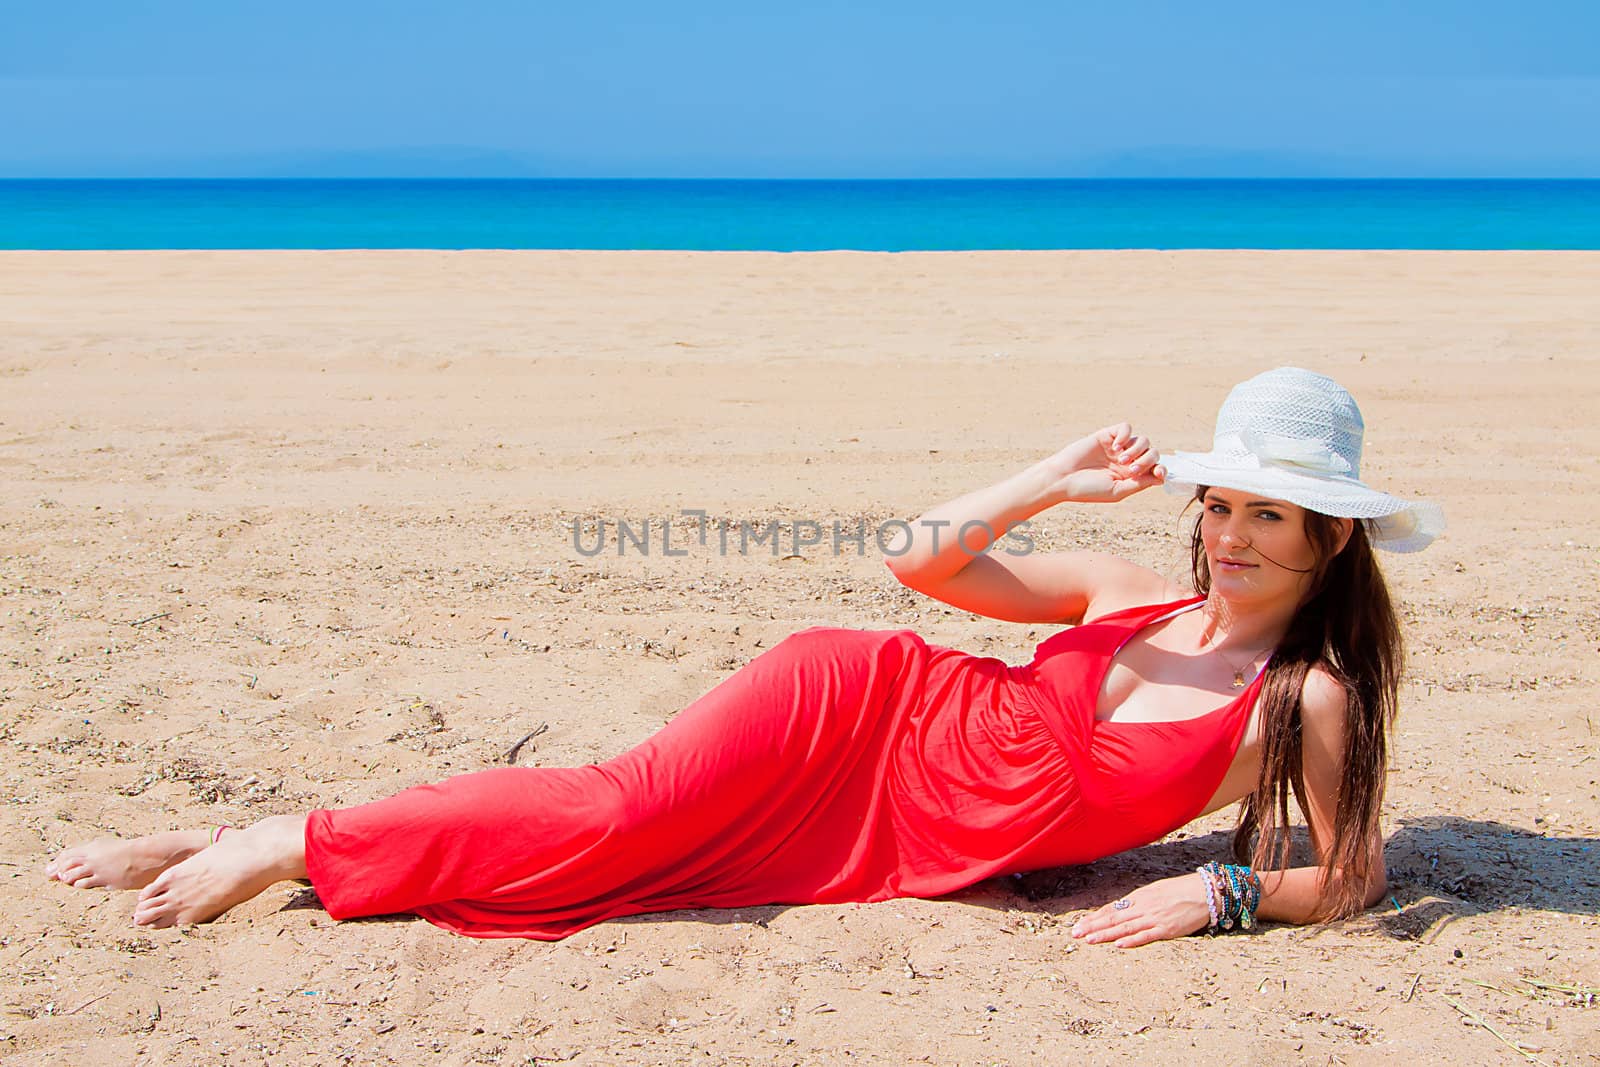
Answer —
(1440, 867)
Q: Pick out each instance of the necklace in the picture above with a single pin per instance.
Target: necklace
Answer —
(1238, 669)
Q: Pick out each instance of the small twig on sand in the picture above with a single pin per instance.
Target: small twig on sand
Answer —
(1502, 1038)
(511, 754)
(150, 618)
(1498, 989)
(1572, 989)
(1535, 986)
(86, 1003)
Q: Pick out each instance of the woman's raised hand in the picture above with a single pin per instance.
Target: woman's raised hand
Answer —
(1109, 465)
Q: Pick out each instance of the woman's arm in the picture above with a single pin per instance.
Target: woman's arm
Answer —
(943, 552)
(1291, 895)
(1174, 907)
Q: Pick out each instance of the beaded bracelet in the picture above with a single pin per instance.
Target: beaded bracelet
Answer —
(1225, 905)
(1239, 890)
(1247, 888)
(1236, 888)
(1211, 896)
(1230, 887)
(1252, 895)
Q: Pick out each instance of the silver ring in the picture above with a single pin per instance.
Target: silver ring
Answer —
(1121, 904)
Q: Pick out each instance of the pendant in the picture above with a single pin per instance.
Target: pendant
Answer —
(1238, 679)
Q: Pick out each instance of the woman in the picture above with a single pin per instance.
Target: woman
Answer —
(855, 765)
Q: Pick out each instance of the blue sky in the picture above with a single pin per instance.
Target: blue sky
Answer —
(617, 88)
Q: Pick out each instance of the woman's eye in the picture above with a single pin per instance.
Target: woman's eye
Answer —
(1273, 515)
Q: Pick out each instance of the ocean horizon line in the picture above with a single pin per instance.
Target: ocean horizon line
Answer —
(799, 214)
(876, 180)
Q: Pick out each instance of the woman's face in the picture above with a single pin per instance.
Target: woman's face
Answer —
(1256, 547)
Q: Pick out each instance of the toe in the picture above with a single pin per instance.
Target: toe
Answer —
(61, 862)
(155, 888)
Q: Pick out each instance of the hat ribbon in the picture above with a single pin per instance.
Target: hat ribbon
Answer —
(1259, 450)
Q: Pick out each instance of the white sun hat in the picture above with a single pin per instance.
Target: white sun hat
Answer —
(1295, 435)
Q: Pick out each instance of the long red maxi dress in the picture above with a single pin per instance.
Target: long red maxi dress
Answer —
(841, 765)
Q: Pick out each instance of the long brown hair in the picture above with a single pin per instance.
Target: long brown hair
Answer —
(1346, 625)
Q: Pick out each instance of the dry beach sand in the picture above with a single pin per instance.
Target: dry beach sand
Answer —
(284, 530)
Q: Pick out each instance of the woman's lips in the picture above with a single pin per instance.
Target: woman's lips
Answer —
(1233, 565)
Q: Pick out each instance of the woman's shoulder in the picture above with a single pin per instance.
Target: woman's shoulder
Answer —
(1324, 711)
(1323, 691)
(1125, 585)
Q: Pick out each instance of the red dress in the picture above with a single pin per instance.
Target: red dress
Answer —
(841, 765)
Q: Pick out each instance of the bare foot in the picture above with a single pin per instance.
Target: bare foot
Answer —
(230, 872)
(116, 864)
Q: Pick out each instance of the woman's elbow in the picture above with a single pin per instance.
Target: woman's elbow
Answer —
(1377, 880)
(1377, 887)
(905, 571)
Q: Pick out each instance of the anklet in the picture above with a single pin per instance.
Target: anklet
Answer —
(216, 833)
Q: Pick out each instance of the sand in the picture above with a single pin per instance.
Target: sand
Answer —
(284, 530)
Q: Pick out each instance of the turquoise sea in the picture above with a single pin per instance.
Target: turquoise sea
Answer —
(799, 215)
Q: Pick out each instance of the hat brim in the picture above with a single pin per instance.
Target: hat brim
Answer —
(1396, 525)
